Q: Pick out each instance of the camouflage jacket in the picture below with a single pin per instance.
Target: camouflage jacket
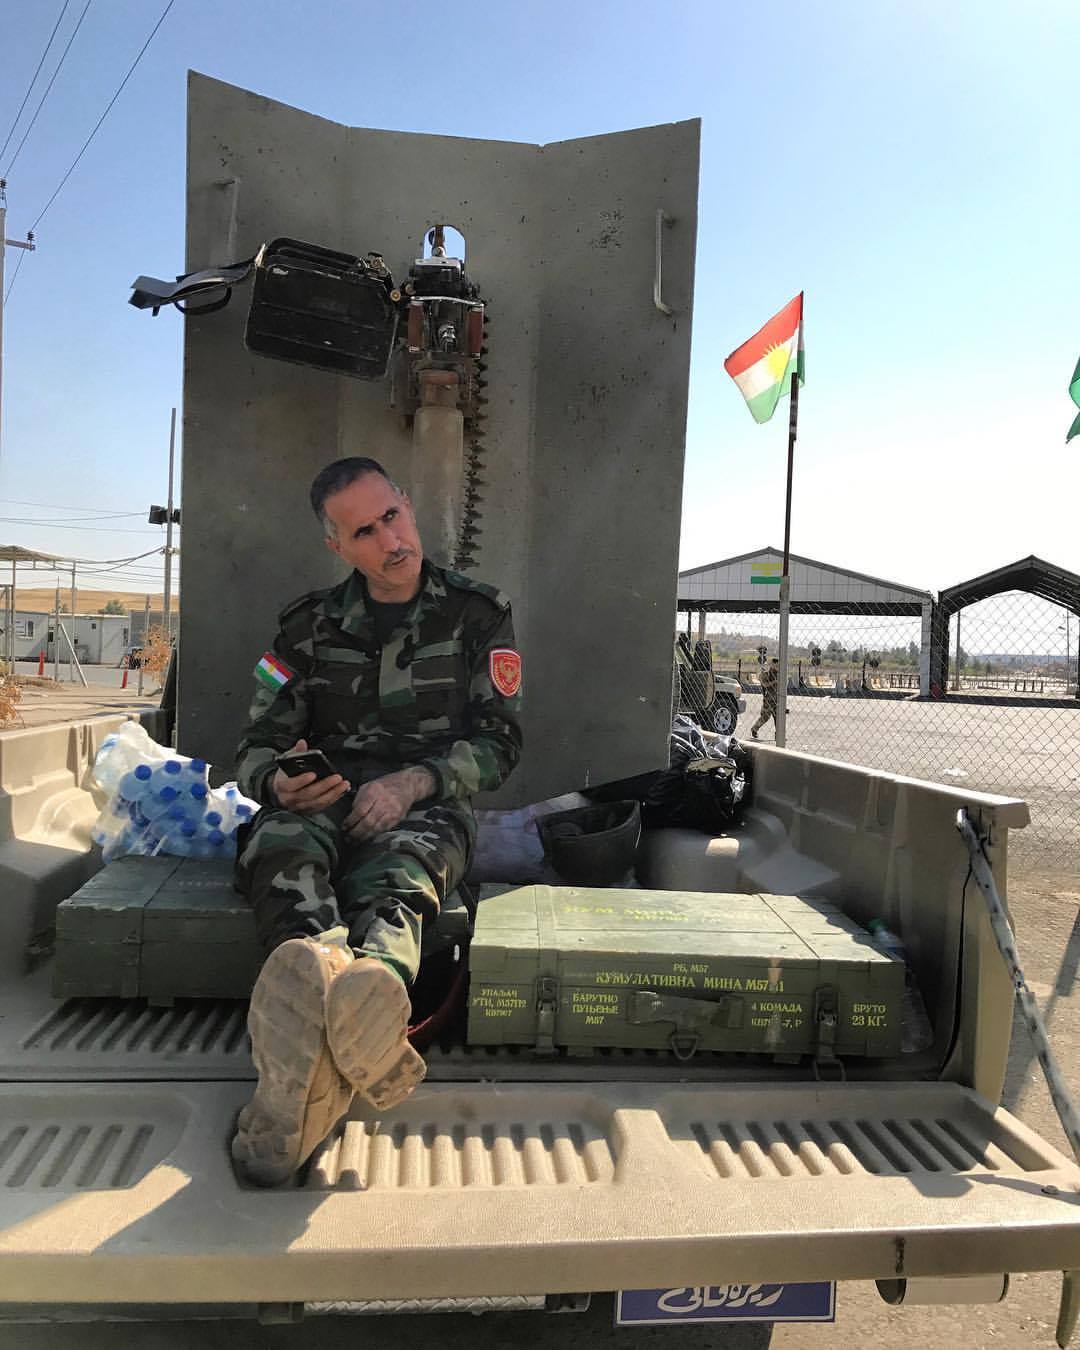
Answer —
(426, 697)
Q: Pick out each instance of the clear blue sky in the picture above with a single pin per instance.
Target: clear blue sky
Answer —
(911, 165)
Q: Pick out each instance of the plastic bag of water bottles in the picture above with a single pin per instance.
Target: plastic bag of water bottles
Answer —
(162, 802)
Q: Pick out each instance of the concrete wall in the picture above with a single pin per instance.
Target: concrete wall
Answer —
(584, 442)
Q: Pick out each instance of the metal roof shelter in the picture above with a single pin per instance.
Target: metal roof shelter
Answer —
(749, 584)
(1029, 574)
(16, 554)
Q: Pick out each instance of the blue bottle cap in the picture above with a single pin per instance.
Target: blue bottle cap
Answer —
(215, 837)
(188, 829)
(213, 818)
(199, 791)
(244, 812)
(168, 794)
(143, 772)
(176, 813)
(198, 766)
(172, 766)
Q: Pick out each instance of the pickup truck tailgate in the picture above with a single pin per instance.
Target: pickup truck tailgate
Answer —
(125, 1192)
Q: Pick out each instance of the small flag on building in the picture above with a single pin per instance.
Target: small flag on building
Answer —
(766, 573)
(762, 367)
(1074, 394)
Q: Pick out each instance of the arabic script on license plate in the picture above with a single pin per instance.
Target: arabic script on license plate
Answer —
(727, 1303)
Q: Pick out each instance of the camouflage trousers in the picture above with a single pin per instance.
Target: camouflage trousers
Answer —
(768, 709)
(303, 875)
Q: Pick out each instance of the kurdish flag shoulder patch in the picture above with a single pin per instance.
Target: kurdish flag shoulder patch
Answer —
(273, 672)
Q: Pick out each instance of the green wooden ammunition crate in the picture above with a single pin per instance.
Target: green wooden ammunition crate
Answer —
(165, 928)
(158, 928)
(587, 969)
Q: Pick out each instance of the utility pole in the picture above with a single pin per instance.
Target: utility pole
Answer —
(56, 636)
(74, 627)
(5, 244)
(167, 516)
(168, 530)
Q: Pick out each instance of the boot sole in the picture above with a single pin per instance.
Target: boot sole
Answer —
(288, 1043)
(367, 1023)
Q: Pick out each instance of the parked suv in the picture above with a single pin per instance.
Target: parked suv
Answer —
(714, 701)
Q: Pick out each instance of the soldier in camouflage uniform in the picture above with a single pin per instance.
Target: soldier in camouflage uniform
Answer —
(407, 678)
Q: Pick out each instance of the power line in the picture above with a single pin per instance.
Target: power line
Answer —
(78, 520)
(55, 506)
(48, 87)
(123, 82)
(30, 86)
(94, 529)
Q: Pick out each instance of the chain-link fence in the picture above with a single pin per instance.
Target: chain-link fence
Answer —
(984, 697)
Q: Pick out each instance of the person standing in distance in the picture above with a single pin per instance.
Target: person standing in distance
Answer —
(769, 679)
(406, 676)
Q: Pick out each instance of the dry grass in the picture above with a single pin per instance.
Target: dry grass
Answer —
(10, 694)
(43, 600)
(156, 652)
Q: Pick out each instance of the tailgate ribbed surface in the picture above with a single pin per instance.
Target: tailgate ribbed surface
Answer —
(492, 1190)
(739, 1149)
(60, 1140)
(463, 1154)
(103, 1039)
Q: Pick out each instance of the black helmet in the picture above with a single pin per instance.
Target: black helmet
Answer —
(592, 845)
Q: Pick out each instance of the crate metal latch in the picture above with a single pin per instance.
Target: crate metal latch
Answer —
(826, 1022)
(547, 1004)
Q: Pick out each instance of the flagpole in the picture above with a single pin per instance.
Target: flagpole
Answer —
(785, 581)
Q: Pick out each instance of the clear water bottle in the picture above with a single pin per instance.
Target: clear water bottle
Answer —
(183, 840)
(196, 771)
(135, 784)
(108, 768)
(209, 844)
(195, 798)
(916, 1031)
(158, 803)
(168, 774)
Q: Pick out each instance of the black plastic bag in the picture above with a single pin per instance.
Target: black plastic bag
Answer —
(701, 793)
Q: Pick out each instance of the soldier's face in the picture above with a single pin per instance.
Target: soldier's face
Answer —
(375, 532)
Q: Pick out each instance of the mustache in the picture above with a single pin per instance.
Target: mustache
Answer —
(397, 556)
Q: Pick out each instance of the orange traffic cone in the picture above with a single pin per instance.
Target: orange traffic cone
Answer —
(41, 663)
(123, 682)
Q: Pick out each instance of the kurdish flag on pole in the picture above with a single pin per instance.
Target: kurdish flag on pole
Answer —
(762, 367)
(1074, 394)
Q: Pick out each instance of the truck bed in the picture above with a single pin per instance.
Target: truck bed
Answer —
(507, 1175)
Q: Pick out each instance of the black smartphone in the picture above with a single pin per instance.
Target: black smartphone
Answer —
(296, 762)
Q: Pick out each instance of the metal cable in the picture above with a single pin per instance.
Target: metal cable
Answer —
(48, 87)
(1033, 1020)
(101, 119)
(30, 86)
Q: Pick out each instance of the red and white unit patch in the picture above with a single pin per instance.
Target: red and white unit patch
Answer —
(504, 667)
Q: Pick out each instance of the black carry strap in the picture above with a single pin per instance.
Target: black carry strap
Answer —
(152, 293)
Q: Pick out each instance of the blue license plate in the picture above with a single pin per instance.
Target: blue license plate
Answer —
(727, 1303)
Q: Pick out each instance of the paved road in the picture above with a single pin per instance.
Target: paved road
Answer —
(106, 677)
(1032, 753)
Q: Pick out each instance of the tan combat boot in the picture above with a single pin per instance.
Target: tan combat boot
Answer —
(367, 1023)
(301, 1095)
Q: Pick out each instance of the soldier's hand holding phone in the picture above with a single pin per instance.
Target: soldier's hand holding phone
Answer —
(306, 782)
